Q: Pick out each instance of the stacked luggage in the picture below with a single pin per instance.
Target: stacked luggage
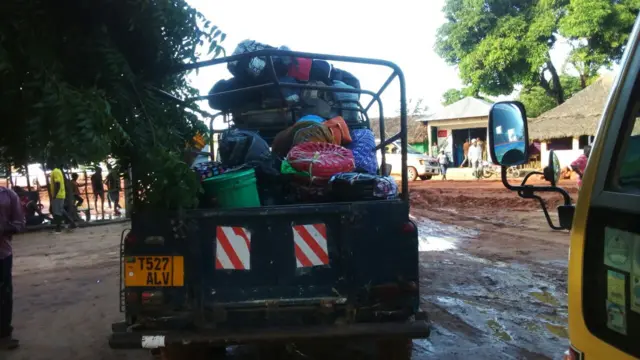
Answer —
(301, 145)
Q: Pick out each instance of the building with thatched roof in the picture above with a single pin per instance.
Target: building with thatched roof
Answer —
(457, 123)
(576, 117)
(571, 126)
(417, 133)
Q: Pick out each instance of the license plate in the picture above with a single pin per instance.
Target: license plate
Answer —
(154, 271)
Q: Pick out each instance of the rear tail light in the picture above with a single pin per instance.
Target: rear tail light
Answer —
(131, 297)
(573, 354)
(130, 238)
(152, 298)
(409, 227)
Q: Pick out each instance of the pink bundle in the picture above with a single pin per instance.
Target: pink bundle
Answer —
(321, 160)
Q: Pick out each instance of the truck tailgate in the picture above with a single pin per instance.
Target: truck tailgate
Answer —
(288, 254)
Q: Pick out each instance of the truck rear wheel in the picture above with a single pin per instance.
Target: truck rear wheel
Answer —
(395, 349)
(425, 177)
(195, 352)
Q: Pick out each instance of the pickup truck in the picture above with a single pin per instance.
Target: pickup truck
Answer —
(218, 277)
(418, 165)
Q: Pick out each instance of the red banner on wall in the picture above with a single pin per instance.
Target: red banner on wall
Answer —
(442, 133)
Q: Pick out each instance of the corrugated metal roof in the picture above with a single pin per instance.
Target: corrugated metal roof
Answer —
(468, 107)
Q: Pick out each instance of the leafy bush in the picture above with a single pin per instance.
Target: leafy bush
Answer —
(76, 85)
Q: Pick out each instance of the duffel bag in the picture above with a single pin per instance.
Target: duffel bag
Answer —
(359, 187)
(240, 147)
(346, 77)
(339, 130)
(313, 131)
(300, 69)
(317, 102)
(346, 103)
(320, 71)
(363, 146)
(252, 69)
(234, 100)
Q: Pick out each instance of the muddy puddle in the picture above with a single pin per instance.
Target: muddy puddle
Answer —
(488, 309)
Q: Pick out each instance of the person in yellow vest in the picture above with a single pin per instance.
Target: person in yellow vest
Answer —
(58, 197)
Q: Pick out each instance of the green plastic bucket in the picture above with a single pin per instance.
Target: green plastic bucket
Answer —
(235, 189)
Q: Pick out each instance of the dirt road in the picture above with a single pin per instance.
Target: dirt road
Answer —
(493, 281)
(493, 272)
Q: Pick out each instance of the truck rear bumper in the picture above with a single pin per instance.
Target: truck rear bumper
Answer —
(159, 339)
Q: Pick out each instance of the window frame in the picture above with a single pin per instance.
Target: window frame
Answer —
(627, 84)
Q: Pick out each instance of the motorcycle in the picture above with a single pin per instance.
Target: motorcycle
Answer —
(489, 170)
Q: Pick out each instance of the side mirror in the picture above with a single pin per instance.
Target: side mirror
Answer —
(508, 134)
(552, 170)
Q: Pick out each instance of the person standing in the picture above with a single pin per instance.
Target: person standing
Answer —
(113, 186)
(465, 149)
(76, 190)
(580, 164)
(443, 160)
(58, 196)
(11, 222)
(481, 144)
(97, 186)
(475, 158)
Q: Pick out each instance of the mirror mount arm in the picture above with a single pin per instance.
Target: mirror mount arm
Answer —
(546, 212)
(527, 192)
(526, 177)
(531, 189)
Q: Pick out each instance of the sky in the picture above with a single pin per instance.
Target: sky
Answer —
(402, 31)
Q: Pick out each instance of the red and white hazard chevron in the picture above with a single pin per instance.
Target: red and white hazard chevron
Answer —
(310, 244)
(233, 248)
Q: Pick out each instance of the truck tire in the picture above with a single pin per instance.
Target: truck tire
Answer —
(193, 351)
(395, 349)
(412, 173)
(425, 177)
(273, 351)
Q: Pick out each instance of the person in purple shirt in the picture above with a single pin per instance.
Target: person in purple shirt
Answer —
(11, 222)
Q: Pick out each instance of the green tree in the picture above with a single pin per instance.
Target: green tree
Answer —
(452, 95)
(77, 84)
(598, 31)
(537, 101)
(497, 44)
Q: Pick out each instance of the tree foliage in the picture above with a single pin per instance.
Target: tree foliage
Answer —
(76, 85)
(537, 101)
(598, 31)
(452, 95)
(500, 44)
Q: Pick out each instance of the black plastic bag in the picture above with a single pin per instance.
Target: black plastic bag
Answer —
(359, 187)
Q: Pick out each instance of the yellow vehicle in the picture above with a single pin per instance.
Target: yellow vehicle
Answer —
(604, 260)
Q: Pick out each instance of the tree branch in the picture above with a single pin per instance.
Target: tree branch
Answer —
(557, 86)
